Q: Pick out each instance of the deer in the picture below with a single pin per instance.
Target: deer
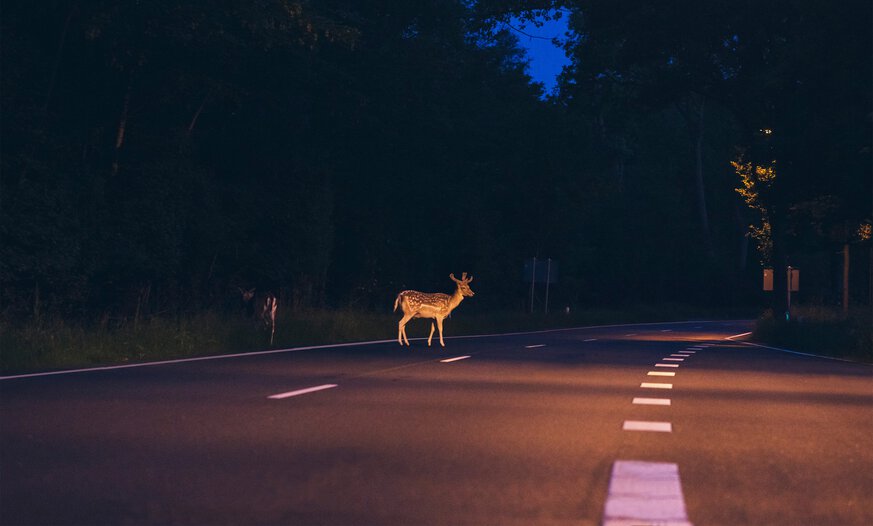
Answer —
(267, 305)
(430, 305)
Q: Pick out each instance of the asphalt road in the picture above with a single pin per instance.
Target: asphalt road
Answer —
(527, 429)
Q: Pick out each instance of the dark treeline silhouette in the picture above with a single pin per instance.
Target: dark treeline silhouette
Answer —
(158, 156)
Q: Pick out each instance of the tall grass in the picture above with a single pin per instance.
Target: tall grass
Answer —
(58, 344)
(820, 330)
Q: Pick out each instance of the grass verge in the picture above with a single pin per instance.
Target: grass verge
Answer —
(58, 344)
(820, 330)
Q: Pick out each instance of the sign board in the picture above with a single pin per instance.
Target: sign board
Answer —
(540, 271)
(768, 279)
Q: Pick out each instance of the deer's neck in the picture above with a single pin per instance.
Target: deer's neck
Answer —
(455, 300)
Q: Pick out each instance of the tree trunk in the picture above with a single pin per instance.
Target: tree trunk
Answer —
(695, 122)
(845, 279)
(36, 302)
(779, 261)
(58, 55)
(197, 115)
(701, 190)
(122, 127)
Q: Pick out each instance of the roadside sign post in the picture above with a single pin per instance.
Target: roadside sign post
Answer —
(547, 274)
(533, 280)
(792, 284)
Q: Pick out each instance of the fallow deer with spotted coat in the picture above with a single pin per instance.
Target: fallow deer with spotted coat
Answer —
(430, 305)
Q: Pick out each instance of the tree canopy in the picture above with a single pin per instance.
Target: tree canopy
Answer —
(158, 155)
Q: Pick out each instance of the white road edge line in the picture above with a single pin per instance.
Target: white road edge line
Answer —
(789, 351)
(449, 360)
(298, 392)
(645, 493)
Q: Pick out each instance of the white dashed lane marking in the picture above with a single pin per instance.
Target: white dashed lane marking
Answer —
(534, 346)
(651, 401)
(637, 425)
(299, 392)
(645, 493)
(449, 360)
(651, 385)
(648, 493)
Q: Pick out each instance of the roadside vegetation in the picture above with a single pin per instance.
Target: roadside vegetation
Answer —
(49, 345)
(55, 344)
(820, 330)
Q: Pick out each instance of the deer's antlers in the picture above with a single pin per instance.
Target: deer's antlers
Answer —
(464, 278)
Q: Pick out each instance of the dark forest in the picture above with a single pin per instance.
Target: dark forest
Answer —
(158, 156)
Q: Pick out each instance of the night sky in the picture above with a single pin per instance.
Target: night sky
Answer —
(546, 58)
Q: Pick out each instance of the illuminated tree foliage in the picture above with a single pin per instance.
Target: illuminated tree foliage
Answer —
(758, 180)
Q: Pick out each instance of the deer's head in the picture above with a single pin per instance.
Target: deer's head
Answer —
(463, 284)
(247, 295)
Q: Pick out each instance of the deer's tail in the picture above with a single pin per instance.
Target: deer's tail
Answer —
(397, 301)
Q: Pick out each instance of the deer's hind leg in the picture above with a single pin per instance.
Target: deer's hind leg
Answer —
(430, 335)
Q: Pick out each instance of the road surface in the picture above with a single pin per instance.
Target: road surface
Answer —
(638, 424)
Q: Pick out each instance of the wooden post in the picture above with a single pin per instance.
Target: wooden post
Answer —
(845, 279)
(533, 279)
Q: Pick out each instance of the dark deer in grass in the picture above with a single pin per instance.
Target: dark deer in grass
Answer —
(430, 305)
(265, 305)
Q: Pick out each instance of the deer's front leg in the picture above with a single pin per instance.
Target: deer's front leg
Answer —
(440, 327)
(430, 335)
(401, 329)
